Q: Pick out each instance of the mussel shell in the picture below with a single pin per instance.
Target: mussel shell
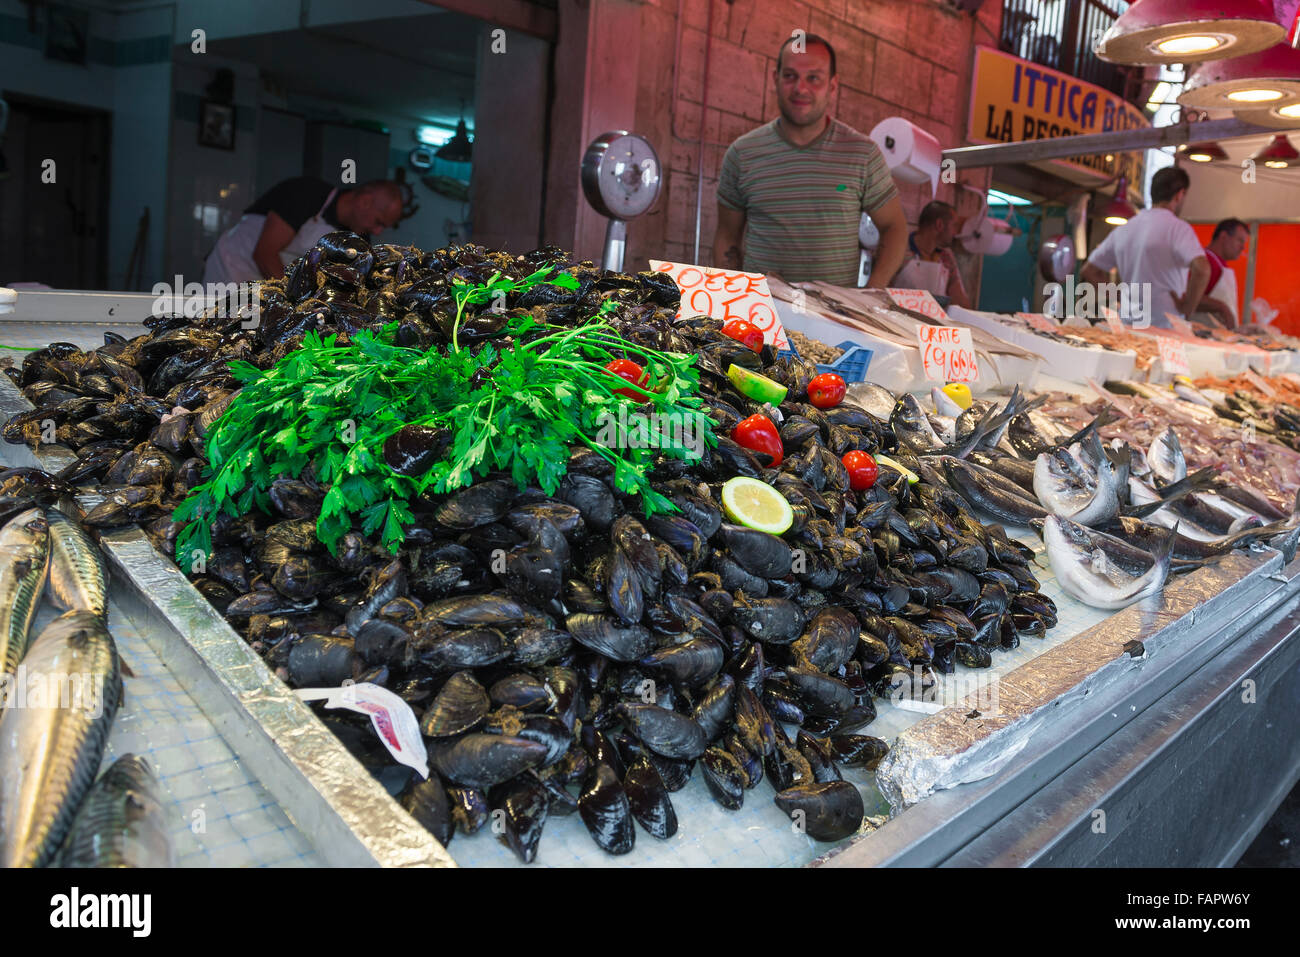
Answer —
(481, 760)
(469, 808)
(689, 664)
(830, 640)
(525, 802)
(480, 504)
(537, 646)
(820, 757)
(831, 811)
(714, 710)
(604, 808)
(820, 694)
(460, 706)
(757, 552)
(772, 620)
(664, 732)
(609, 636)
(858, 750)
(413, 449)
(320, 661)
(475, 648)
(520, 690)
(753, 723)
(427, 801)
(724, 776)
(648, 799)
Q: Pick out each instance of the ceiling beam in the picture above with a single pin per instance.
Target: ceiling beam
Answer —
(1120, 141)
(521, 15)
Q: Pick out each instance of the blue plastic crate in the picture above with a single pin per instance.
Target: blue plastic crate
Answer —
(851, 367)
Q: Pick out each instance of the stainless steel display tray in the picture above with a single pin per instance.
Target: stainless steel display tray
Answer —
(322, 788)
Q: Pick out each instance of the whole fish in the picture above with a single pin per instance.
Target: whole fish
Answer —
(1067, 488)
(875, 399)
(24, 557)
(1147, 536)
(989, 491)
(1008, 466)
(1087, 573)
(1122, 554)
(76, 578)
(122, 822)
(944, 405)
(52, 737)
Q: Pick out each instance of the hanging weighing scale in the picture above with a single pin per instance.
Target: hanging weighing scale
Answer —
(621, 179)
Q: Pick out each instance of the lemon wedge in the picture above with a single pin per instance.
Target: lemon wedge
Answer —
(959, 392)
(885, 460)
(756, 505)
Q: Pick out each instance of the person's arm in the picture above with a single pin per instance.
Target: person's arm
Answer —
(1198, 278)
(1093, 275)
(1219, 309)
(729, 238)
(957, 294)
(276, 235)
(892, 223)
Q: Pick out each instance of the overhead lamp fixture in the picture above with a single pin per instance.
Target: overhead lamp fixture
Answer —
(1119, 210)
(1152, 32)
(458, 149)
(1279, 154)
(1159, 95)
(1204, 153)
(1269, 78)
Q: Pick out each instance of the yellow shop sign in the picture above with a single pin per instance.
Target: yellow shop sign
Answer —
(1014, 100)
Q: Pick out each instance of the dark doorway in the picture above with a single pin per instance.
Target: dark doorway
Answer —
(55, 232)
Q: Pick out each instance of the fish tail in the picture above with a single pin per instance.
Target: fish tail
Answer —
(1287, 544)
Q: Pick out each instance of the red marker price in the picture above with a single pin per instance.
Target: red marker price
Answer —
(1173, 356)
(726, 294)
(948, 354)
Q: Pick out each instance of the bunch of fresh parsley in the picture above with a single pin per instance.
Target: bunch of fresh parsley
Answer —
(517, 409)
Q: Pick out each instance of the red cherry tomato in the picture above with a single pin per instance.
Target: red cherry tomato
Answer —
(633, 373)
(862, 470)
(826, 390)
(758, 434)
(744, 331)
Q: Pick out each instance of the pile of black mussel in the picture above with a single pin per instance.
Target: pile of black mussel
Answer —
(564, 654)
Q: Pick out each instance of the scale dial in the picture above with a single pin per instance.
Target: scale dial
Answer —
(621, 175)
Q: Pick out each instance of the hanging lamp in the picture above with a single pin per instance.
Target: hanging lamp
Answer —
(1266, 80)
(1152, 32)
(1119, 210)
(1279, 154)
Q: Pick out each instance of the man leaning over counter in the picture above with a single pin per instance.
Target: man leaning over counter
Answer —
(791, 193)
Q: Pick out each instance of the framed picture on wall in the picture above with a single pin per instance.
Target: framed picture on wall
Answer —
(217, 125)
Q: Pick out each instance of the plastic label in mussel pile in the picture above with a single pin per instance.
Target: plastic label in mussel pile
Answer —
(393, 719)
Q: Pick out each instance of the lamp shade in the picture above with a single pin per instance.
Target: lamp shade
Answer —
(1279, 154)
(1119, 210)
(1258, 81)
(1151, 32)
(1205, 153)
(1285, 117)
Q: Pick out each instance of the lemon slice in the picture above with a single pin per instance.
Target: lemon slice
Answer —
(756, 505)
(885, 460)
(757, 387)
(959, 392)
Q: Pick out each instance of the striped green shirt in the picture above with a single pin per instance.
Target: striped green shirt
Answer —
(803, 204)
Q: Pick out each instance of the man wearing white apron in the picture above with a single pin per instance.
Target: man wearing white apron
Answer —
(288, 220)
(929, 263)
(1231, 237)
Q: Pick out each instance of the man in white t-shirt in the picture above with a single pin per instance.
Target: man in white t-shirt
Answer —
(1230, 239)
(1159, 248)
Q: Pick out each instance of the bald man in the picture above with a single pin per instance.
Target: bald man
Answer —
(288, 220)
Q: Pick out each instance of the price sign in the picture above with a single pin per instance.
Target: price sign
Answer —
(726, 294)
(1179, 324)
(919, 300)
(1038, 321)
(947, 354)
(1173, 356)
(1113, 320)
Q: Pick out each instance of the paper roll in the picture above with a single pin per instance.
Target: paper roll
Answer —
(985, 238)
(913, 155)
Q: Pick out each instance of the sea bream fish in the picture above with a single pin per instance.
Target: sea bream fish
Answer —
(122, 821)
(1166, 457)
(24, 558)
(52, 736)
(1087, 494)
(1088, 574)
(76, 575)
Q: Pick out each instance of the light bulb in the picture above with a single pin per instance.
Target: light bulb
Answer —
(1189, 44)
(1255, 96)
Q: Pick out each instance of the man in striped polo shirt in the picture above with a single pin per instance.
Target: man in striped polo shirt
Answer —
(791, 193)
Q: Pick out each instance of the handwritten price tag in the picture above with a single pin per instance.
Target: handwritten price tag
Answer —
(919, 300)
(726, 294)
(1038, 321)
(1173, 356)
(948, 354)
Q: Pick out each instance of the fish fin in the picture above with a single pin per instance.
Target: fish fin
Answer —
(1106, 416)
(1199, 480)
(1287, 544)
(1164, 552)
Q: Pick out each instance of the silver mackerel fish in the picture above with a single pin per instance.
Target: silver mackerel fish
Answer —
(52, 735)
(76, 579)
(24, 557)
(122, 822)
